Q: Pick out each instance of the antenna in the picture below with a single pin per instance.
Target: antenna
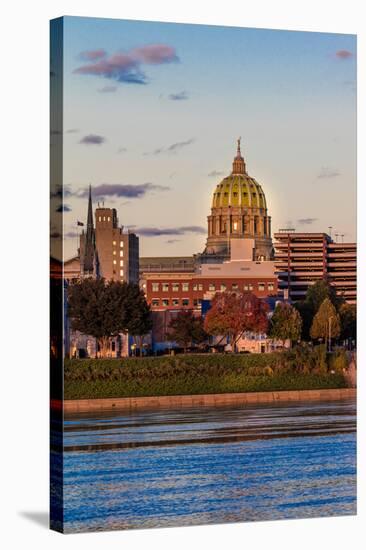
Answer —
(336, 236)
(330, 230)
(342, 237)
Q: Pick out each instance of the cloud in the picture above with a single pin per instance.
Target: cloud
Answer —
(92, 139)
(122, 150)
(173, 148)
(180, 96)
(172, 241)
(160, 231)
(63, 208)
(215, 173)
(92, 55)
(326, 173)
(61, 191)
(306, 221)
(121, 190)
(73, 131)
(344, 54)
(71, 234)
(126, 66)
(107, 89)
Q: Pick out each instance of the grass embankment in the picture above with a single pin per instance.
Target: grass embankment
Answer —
(202, 374)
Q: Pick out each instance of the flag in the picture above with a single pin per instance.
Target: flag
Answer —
(80, 223)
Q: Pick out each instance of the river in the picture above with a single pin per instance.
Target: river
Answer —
(209, 465)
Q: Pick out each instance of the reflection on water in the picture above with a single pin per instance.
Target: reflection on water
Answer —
(204, 465)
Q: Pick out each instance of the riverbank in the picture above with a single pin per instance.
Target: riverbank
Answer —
(208, 400)
(295, 370)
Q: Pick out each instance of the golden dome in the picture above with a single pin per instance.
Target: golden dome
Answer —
(239, 190)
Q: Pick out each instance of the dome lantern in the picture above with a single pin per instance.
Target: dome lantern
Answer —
(238, 163)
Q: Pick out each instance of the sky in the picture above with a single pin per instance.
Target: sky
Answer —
(152, 112)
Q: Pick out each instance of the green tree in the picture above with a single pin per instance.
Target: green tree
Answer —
(186, 329)
(285, 323)
(318, 292)
(326, 323)
(307, 315)
(105, 309)
(232, 314)
(348, 318)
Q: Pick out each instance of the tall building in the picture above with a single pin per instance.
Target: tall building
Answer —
(302, 259)
(238, 211)
(106, 250)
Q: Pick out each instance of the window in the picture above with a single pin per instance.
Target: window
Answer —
(155, 303)
(223, 287)
(250, 286)
(234, 286)
(109, 219)
(185, 302)
(121, 244)
(197, 302)
(121, 253)
(270, 286)
(114, 252)
(155, 287)
(121, 263)
(114, 262)
(100, 218)
(175, 302)
(195, 286)
(165, 287)
(200, 286)
(165, 303)
(185, 287)
(121, 272)
(114, 243)
(261, 287)
(246, 287)
(235, 224)
(104, 218)
(175, 287)
(113, 345)
(211, 287)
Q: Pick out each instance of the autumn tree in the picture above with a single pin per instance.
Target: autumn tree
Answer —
(232, 314)
(187, 329)
(326, 323)
(285, 323)
(105, 309)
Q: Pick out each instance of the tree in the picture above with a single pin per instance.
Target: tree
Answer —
(104, 309)
(307, 315)
(136, 314)
(187, 329)
(318, 292)
(326, 323)
(348, 318)
(232, 314)
(285, 323)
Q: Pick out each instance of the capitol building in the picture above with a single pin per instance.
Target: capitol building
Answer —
(238, 211)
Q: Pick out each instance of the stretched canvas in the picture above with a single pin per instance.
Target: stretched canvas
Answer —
(202, 273)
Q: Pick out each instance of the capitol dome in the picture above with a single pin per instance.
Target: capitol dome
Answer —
(239, 211)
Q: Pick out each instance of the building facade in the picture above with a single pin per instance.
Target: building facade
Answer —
(106, 250)
(302, 259)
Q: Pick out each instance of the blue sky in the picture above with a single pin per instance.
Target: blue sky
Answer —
(152, 112)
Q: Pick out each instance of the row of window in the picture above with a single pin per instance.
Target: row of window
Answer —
(120, 253)
(175, 302)
(120, 243)
(165, 287)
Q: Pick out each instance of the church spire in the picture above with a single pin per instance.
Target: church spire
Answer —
(238, 163)
(89, 238)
